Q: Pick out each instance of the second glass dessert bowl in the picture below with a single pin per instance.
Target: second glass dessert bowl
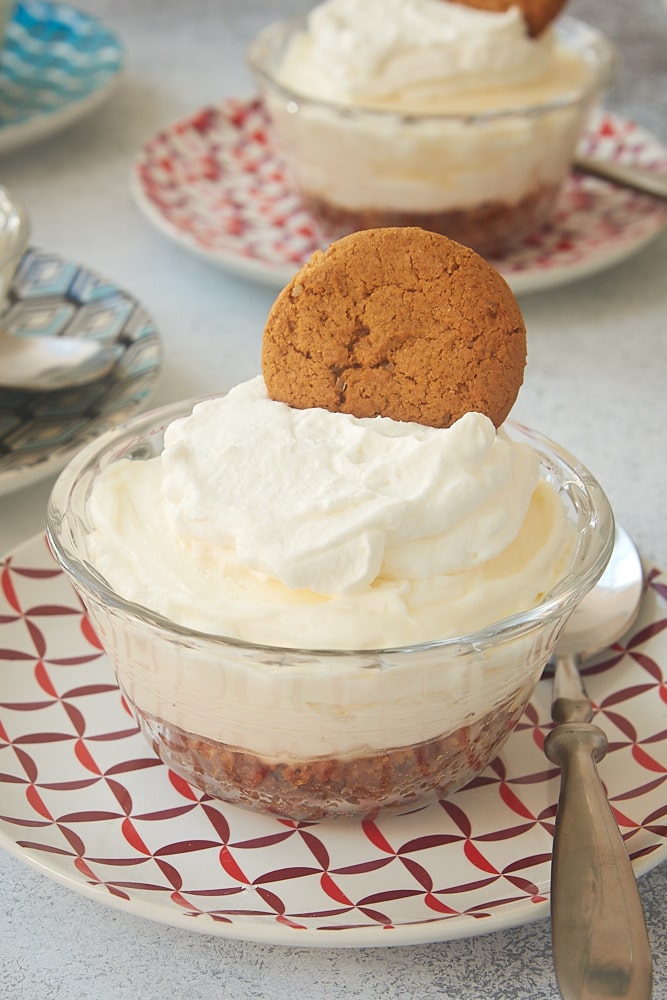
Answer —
(488, 179)
(315, 734)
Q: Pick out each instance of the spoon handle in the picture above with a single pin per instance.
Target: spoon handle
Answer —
(600, 942)
(640, 178)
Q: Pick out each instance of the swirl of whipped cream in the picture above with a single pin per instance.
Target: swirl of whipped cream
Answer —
(399, 51)
(328, 502)
(310, 528)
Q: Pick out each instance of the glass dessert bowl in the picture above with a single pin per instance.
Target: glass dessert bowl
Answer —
(485, 174)
(322, 733)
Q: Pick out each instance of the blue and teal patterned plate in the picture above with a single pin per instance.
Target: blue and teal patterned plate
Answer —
(56, 65)
(40, 431)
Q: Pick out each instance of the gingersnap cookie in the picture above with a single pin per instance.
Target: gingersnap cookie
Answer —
(537, 13)
(399, 322)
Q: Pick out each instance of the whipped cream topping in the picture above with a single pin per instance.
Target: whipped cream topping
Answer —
(310, 528)
(415, 53)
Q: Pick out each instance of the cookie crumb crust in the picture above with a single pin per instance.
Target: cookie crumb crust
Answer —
(332, 787)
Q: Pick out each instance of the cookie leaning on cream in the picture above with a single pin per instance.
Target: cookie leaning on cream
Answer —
(387, 362)
(398, 322)
(538, 14)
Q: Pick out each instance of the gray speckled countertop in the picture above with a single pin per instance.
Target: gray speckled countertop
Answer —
(595, 380)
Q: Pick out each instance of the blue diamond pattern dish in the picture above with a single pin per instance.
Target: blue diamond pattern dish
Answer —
(56, 65)
(50, 296)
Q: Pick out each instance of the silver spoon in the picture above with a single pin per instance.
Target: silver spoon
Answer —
(40, 363)
(600, 942)
(43, 364)
(639, 178)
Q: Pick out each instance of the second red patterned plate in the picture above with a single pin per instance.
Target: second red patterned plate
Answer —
(214, 184)
(83, 799)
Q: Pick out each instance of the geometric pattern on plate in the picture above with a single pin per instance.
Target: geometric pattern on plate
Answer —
(51, 297)
(214, 183)
(83, 798)
(56, 62)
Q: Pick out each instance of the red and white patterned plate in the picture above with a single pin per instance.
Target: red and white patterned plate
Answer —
(83, 800)
(214, 184)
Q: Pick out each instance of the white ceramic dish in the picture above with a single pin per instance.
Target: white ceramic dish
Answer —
(57, 64)
(214, 184)
(83, 800)
(49, 296)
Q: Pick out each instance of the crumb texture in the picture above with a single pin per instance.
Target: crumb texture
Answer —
(398, 322)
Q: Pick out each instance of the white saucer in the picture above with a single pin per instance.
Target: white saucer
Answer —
(57, 64)
(50, 296)
(214, 184)
(84, 801)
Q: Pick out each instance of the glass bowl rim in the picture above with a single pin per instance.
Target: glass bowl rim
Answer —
(566, 26)
(14, 230)
(561, 599)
